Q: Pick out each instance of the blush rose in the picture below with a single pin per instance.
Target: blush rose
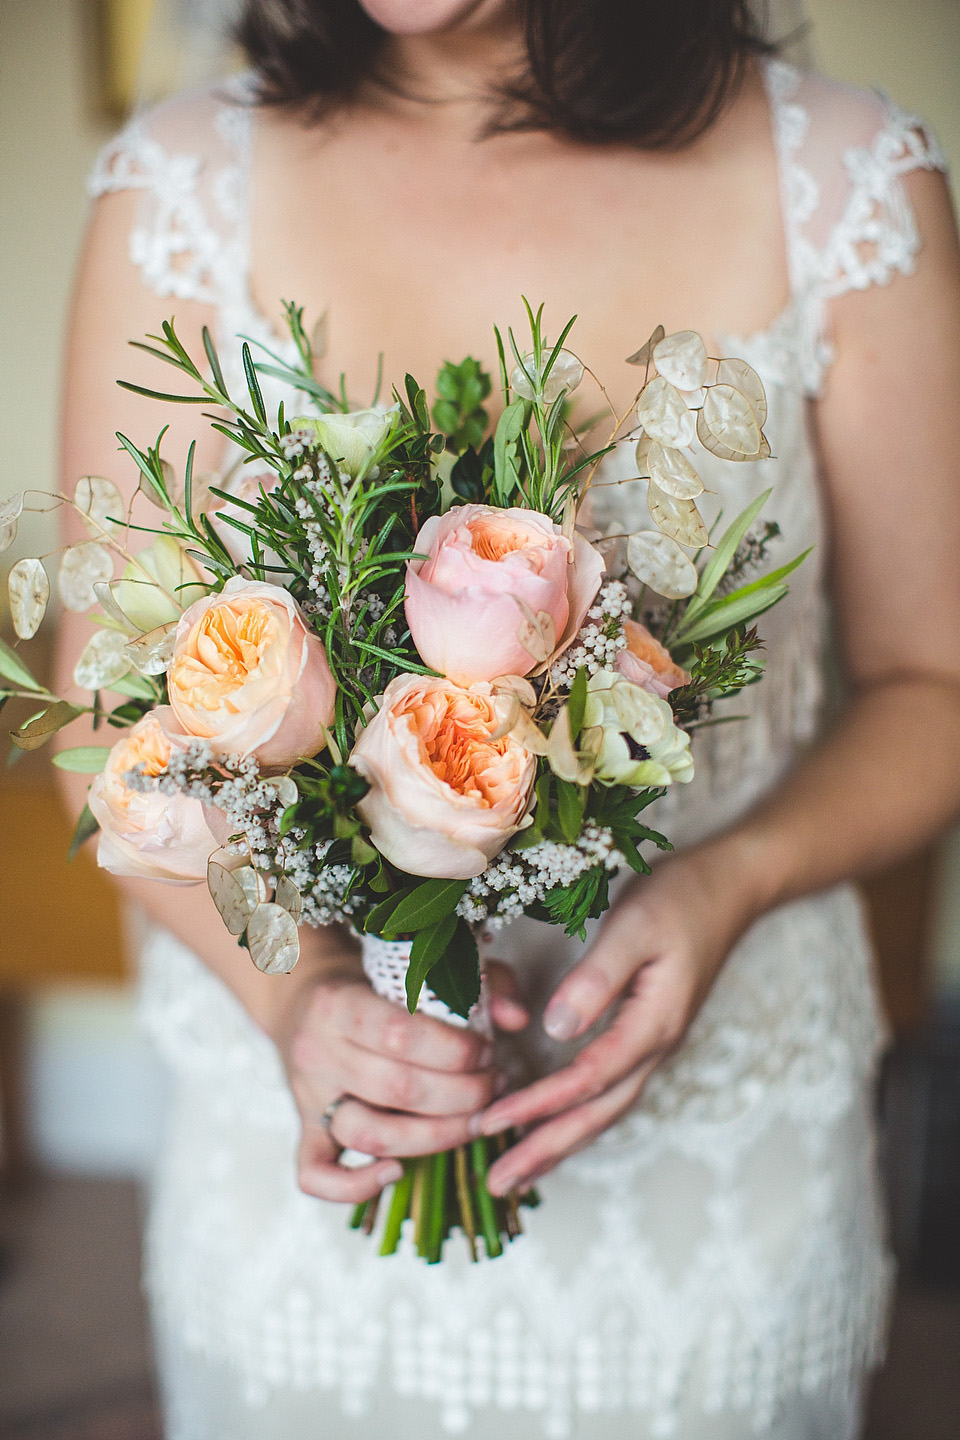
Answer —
(465, 601)
(146, 833)
(249, 675)
(444, 796)
(647, 663)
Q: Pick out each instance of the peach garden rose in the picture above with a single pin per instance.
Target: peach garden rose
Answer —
(647, 663)
(464, 602)
(146, 833)
(249, 675)
(444, 797)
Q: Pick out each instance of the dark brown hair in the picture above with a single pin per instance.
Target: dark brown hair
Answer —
(653, 73)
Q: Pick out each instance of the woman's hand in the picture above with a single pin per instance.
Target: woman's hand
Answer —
(658, 953)
(413, 1083)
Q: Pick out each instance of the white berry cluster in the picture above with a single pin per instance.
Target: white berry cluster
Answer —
(323, 887)
(599, 640)
(518, 878)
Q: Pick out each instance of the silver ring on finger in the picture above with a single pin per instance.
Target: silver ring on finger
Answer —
(329, 1114)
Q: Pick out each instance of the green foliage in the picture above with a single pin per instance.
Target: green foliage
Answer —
(455, 978)
(86, 827)
(458, 412)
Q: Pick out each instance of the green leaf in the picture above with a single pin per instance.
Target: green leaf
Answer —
(577, 703)
(425, 905)
(38, 731)
(161, 395)
(743, 607)
(716, 567)
(428, 947)
(455, 978)
(253, 385)
(83, 759)
(571, 800)
(504, 447)
(86, 826)
(377, 921)
(137, 686)
(13, 668)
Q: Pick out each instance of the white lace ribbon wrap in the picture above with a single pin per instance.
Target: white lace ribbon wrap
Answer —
(385, 964)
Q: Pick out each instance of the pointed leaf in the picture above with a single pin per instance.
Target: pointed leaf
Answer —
(39, 730)
(87, 826)
(429, 945)
(425, 905)
(719, 562)
(83, 759)
(455, 978)
(12, 668)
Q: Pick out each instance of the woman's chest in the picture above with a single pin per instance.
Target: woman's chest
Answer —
(418, 253)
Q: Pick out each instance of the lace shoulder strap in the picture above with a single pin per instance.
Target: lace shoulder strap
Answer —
(848, 220)
(189, 159)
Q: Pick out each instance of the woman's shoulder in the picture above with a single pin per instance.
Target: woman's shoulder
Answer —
(175, 142)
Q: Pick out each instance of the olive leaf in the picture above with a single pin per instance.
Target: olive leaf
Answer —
(644, 355)
(37, 732)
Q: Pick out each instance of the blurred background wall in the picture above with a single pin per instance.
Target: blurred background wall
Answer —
(92, 1097)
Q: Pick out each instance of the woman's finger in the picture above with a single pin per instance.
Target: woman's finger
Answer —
(507, 1009)
(646, 1028)
(384, 1133)
(319, 1174)
(540, 1151)
(381, 1027)
(612, 961)
(394, 1085)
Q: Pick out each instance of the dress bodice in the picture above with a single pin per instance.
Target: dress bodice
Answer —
(847, 224)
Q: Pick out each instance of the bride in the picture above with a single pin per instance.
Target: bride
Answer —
(709, 1260)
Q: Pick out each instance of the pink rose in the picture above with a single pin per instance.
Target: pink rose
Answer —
(159, 837)
(647, 663)
(463, 602)
(444, 797)
(248, 674)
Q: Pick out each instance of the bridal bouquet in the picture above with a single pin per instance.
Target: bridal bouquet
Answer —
(380, 673)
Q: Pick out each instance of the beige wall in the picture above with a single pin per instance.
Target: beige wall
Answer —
(911, 50)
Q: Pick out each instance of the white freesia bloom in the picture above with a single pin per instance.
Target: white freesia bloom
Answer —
(351, 439)
(633, 735)
(565, 374)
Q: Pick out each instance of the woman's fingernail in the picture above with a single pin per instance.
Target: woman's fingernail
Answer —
(475, 1125)
(560, 1021)
(502, 1185)
(390, 1174)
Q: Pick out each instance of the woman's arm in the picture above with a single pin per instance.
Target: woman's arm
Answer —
(885, 780)
(335, 1035)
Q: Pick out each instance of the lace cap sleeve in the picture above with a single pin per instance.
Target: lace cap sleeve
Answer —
(848, 219)
(189, 160)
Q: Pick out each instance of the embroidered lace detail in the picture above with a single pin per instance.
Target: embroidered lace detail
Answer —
(873, 234)
(385, 964)
(682, 1279)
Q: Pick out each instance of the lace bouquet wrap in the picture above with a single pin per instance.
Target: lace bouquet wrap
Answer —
(379, 673)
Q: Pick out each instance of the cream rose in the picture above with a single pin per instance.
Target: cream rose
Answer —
(146, 833)
(465, 601)
(249, 675)
(647, 663)
(351, 440)
(444, 797)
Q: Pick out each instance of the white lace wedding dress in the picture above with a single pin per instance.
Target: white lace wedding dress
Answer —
(714, 1266)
